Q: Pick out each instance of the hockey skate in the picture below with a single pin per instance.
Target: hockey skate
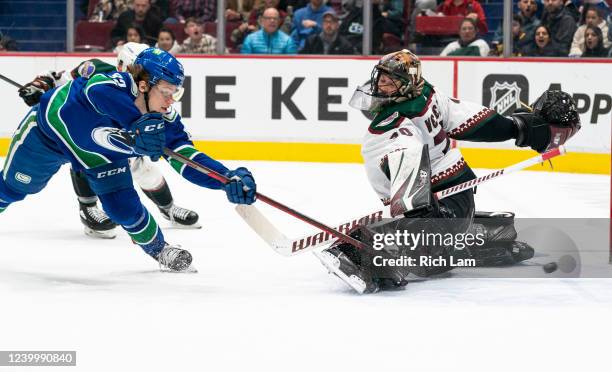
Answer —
(175, 259)
(97, 223)
(338, 263)
(181, 217)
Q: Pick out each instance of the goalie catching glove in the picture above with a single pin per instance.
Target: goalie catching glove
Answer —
(553, 121)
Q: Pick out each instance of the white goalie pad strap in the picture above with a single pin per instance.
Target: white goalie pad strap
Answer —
(409, 169)
(146, 174)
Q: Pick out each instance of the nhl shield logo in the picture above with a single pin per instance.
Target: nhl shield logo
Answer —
(504, 93)
(505, 97)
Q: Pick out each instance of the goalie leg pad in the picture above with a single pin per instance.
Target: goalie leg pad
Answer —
(502, 254)
(501, 247)
(409, 171)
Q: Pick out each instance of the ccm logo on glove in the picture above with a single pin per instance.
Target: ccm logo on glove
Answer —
(151, 128)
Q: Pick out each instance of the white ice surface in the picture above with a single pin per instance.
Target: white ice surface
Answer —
(249, 309)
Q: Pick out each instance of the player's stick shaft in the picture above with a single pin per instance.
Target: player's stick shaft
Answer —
(10, 81)
(221, 178)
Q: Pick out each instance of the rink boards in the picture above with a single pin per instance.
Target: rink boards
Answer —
(296, 109)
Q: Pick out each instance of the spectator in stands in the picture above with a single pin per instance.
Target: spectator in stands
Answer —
(108, 10)
(307, 21)
(7, 44)
(328, 41)
(560, 23)
(166, 41)
(203, 10)
(290, 6)
(519, 40)
(252, 23)
(544, 45)
(163, 8)
(239, 10)
(197, 41)
(467, 8)
(468, 43)
(609, 21)
(134, 34)
(142, 14)
(528, 21)
(592, 16)
(351, 26)
(572, 8)
(593, 43)
(391, 21)
(269, 40)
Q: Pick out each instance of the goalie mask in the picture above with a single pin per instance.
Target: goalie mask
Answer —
(401, 69)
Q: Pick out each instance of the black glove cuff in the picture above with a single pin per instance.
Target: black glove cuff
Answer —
(521, 131)
(532, 131)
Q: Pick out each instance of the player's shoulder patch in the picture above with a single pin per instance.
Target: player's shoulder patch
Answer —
(86, 69)
(384, 123)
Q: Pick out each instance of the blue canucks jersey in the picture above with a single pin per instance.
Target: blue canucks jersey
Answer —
(90, 118)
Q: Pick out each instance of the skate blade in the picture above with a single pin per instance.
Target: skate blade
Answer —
(178, 226)
(332, 264)
(97, 234)
(189, 270)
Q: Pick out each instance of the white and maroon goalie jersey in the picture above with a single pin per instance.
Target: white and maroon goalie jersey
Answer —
(430, 119)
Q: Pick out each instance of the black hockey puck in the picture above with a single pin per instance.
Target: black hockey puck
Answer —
(550, 267)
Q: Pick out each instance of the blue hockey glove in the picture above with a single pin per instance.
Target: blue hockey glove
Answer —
(149, 135)
(241, 179)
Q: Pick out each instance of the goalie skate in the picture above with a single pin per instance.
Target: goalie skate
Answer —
(339, 264)
(96, 223)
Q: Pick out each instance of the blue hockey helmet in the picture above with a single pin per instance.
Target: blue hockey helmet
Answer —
(161, 65)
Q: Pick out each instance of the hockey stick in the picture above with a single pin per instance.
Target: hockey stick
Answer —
(221, 178)
(10, 81)
(287, 247)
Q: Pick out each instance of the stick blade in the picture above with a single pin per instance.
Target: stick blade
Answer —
(264, 228)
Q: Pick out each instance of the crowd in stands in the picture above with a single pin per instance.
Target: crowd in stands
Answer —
(540, 28)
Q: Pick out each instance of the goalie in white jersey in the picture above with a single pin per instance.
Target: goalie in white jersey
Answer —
(408, 157)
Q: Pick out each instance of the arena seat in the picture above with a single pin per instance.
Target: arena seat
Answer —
(178, 29)
(92, 35)
(443, 26)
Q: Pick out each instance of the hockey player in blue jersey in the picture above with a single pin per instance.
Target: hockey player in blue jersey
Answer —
(97, 124)
(144, 172)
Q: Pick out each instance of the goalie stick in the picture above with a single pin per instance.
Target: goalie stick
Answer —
(288, 247)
